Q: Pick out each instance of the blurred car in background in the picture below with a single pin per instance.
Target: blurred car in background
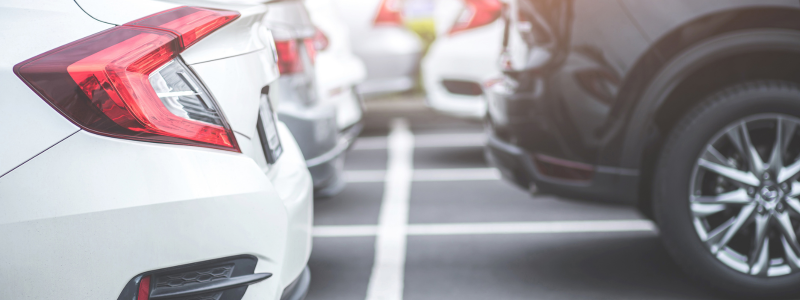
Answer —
(144, 160)
(338, 70)
(686, 109)
(464, 55)
(312, 121)
(390, 51)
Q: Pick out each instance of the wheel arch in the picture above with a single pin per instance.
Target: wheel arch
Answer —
(755, 44)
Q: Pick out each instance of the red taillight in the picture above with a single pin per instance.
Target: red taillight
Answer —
(289, 60)
(190, 23)
(144, 289)
(102, 82)
(290, 57)
(389, 13)
(477, 13)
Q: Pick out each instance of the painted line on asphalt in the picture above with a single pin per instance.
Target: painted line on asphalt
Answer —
(422, 175)
(450, 140)
(386, 280)
(494, 228)
(477, 174)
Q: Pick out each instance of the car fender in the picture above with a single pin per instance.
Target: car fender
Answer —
(675, 57)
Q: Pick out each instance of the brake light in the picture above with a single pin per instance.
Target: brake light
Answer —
(477, 13)
(288, 57)
(129, 82)
(389, 13)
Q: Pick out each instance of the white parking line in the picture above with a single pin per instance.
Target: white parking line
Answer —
(386, 280)
(494, 228)
(450, 140)
(458, 174)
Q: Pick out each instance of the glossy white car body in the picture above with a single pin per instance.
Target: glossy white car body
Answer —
(391, 53)
(83, 213)
(468, 56)
(338, 70)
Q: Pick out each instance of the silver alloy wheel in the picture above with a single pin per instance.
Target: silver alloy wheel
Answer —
(744, 195)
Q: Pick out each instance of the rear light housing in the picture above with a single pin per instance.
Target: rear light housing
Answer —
(290, 56)
(477, 13)
(130, 82)
(289, 60)
(390, 13)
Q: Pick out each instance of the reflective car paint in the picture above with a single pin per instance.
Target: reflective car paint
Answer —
(593, 77)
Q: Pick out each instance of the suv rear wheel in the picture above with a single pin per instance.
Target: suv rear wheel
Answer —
(726, 190)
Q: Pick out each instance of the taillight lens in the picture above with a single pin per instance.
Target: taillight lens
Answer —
(129, 82)
(190, 23)
(290, 57)
(390, 12)
(477, 13)
(289, 60)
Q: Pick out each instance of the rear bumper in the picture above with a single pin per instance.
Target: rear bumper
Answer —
(511, 161)
(394, 84)
(525, 169)
(294, 185)
(138, 207)
(315, 128)
(463, 106)
(391, 56)
(328, 168)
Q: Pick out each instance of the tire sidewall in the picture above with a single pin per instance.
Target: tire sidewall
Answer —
(674, 175)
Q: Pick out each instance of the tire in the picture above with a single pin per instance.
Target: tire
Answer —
(680, 178)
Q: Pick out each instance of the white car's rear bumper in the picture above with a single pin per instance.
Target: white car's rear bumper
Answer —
(92, 212)
(391, 55)
(467, 58)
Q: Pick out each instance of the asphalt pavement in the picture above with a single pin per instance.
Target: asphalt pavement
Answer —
(450, 228)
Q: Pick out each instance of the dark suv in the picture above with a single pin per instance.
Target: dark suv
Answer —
(687, 109)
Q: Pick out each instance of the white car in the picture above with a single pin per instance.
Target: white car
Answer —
(318, 75)
(338, 70)
(390, 51)
(464, 54)
(141, 158)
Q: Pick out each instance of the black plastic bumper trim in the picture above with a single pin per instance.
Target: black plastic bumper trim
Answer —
(213, 286)
(234, 274)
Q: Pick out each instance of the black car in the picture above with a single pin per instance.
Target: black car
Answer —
(686, 109)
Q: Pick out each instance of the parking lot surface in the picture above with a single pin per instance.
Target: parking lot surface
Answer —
(424, 217)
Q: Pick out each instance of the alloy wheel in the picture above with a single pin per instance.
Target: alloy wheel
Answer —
(745, 195)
